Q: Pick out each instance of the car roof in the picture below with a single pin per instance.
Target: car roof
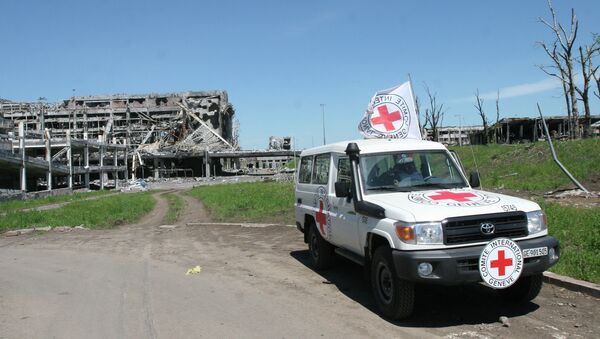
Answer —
(376, 146)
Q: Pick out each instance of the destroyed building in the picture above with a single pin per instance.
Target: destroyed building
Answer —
(122, 136)
(512, 130)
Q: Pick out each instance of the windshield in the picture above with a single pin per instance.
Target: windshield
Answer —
(409, 171)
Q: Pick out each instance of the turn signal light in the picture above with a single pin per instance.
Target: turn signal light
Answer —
(405, 233)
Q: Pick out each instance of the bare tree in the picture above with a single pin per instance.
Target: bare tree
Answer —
(587, 72)
(595, 75)
(561, 75)
(418, 109)
(484, 120)
(562, 56)
(597, 79)
(434, 113)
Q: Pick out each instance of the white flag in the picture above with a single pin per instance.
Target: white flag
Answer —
(391, 114)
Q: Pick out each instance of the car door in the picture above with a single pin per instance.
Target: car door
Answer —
(344, 219)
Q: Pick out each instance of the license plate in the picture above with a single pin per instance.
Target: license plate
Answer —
(535, 252)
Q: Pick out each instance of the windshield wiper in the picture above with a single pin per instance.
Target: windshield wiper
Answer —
(389, 188)
(440, 185)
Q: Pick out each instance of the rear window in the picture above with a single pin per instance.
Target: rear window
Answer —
(305, 170)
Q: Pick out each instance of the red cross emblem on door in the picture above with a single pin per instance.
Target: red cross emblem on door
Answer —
(321, 217)
(386, 118)
(447, 195)
(501, 263)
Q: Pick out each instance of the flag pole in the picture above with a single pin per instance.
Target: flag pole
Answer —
(416, 107)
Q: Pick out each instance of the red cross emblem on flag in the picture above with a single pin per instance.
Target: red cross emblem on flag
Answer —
(447, 195)
(321, 217)
(501, 263)
(386, 118)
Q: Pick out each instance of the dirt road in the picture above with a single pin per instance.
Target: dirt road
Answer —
(130, 282)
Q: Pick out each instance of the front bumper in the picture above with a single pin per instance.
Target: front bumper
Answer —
(460, 265)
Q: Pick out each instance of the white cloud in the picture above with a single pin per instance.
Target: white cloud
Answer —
(517, 90)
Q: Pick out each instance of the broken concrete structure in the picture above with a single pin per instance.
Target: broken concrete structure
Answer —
(511, 130)
(89, 139)
(280, 143)
(515, 130)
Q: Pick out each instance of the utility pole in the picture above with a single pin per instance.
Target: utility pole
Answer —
(323, 111)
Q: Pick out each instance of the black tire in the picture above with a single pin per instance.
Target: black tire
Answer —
(525, 289)
(394, 297)
(321, 252)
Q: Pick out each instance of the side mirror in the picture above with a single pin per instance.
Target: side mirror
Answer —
(342, 189)
(474, 179)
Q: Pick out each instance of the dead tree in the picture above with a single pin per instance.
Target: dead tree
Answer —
(595, 75)
(562, 57)
(484, 120)
(587, 72)
(597, 79)
(434, 113)
(418, 111)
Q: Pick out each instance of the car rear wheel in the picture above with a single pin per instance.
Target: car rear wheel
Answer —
(321, 252)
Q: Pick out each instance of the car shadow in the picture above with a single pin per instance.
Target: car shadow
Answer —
(435, 306)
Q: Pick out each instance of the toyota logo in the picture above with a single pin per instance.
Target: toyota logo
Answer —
(487, 228)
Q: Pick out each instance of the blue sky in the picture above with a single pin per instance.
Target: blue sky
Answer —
(280, 60)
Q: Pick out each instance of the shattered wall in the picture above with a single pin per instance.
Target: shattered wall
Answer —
(156, 123)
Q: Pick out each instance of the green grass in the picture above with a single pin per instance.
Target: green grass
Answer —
(291, 164)
(270, 202)
(535, 170)
(176, 205)
(100, 213)
(14, 205)
(578, 230)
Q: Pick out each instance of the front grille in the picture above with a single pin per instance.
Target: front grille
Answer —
(464, 230)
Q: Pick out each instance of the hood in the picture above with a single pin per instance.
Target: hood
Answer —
(437, 205)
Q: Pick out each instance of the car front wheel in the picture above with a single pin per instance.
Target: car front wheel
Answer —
(394, 297)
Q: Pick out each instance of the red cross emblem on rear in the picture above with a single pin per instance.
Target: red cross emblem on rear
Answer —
(321, 218)
(447, 195)
(385, 118)
(501, 263)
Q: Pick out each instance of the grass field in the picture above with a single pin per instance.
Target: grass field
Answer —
(100, 213)
(176, 205)
(578, 230)
(530, 166)
(14, 205)
(271, 202)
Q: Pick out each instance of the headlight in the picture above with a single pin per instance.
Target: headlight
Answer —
(536, 222)
(420, 234)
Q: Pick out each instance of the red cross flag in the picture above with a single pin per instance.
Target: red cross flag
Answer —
(391, 114)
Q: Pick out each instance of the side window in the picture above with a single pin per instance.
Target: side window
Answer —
(305, 170)
(321, 169)
(343, 174)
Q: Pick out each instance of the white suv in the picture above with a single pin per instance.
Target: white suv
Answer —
(405, 210)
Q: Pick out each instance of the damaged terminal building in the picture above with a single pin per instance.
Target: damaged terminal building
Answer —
(96, 139)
